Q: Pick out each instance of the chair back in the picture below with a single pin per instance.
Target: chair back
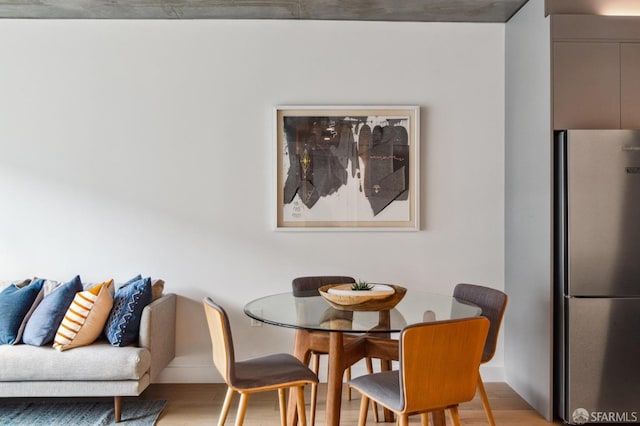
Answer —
(308, 286)
(440, 361)
(221, 340)
(493, 303)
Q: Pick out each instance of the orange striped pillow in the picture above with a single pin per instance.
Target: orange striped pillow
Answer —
(85, 318)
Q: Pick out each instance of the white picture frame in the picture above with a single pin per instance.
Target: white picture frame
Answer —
(347, 168)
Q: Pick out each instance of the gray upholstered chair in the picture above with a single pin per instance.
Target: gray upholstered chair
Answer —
(493, 303)
(308, 287)
(270, 372)
(438, 369)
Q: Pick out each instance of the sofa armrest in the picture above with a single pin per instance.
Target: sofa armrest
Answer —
(158, 332)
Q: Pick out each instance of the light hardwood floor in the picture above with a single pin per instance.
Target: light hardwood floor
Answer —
(199, 404)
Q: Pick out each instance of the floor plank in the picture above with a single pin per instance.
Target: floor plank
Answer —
(199, 404)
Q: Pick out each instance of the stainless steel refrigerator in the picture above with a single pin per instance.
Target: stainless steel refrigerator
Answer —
(597, 276)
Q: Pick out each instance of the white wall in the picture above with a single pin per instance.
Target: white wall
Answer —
(528, 320)
(146, 146)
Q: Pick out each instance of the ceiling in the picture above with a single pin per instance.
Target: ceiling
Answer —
(355, 10)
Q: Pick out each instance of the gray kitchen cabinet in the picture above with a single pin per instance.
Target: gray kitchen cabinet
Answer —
(630, 85)
(586, 85)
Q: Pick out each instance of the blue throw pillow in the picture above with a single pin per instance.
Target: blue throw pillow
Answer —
(132, 280)
(45, 320)
(123, 325)
(15, 302)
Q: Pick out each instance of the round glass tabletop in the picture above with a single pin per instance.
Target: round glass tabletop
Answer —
(315, 313)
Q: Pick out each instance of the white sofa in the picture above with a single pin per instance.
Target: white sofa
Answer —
(96, 370)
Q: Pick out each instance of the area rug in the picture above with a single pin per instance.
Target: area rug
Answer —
(137, 412)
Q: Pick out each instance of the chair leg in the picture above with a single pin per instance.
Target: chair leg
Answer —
(300, 403)
(485, 402)
(424, 419)
(283, 406)
(314, 388)
(374, 405)
(438, 418)
(242, 408)
(403, 419)
(364, 407)
(314, 402)
(348, 374)
(225, 406)
(454, 415)
(117, 408)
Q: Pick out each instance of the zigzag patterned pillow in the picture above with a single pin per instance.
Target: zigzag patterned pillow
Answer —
(123, 324)
(85, 318)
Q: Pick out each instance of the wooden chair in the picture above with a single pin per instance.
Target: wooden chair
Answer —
(438, 369)
(308, 287)
(493, 303)
(271, 372)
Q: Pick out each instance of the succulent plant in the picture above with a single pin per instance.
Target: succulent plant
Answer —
(361, 285)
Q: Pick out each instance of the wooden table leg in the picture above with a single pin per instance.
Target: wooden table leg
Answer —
(341, 356)
(334, 378)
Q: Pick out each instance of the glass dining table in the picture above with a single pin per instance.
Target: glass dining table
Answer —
(349, 336)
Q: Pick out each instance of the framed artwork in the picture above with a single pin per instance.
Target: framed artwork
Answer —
(347, 167)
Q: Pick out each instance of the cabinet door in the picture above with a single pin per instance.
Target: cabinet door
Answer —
(586, 85)
(630, 85)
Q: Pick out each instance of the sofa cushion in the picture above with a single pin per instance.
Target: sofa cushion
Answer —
(123, 324)
(85, 318)
(46, 318)
(98, 361)
(15, 303)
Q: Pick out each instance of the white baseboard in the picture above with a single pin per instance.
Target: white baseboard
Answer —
(205, 374)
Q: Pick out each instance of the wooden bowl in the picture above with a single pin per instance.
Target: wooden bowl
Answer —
(370, 300)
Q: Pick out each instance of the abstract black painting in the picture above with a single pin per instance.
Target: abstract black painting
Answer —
(347, 167)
